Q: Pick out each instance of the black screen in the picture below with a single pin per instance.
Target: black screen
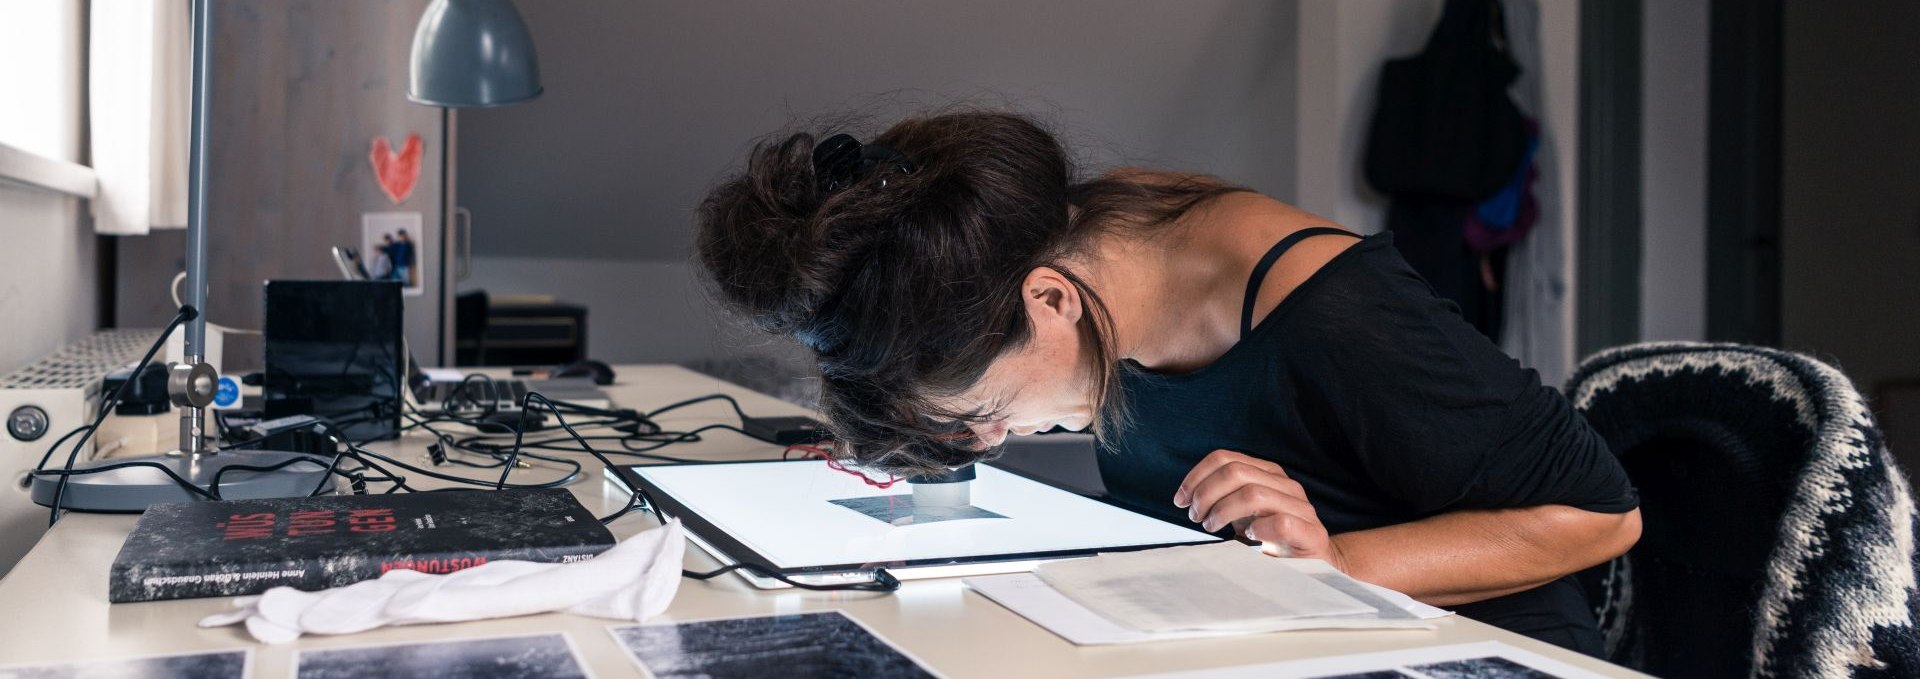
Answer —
(333, 349)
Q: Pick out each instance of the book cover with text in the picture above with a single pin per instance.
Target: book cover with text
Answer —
(230, 548)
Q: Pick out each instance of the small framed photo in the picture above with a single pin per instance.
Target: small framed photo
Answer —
(392, 248)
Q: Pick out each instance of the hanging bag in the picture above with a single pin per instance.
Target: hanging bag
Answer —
(1444, 126)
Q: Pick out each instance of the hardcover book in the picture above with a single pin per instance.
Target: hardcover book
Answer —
(201, 549)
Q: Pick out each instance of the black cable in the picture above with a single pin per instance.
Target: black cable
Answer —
(186, 313)
(461, 392)
(214, 486)
(882, 580)
(701, 399)
(483, 483)
(56, 446)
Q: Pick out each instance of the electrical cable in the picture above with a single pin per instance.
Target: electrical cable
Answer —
(646, 433)
(185, 314)
(701, 399)
(174, 290)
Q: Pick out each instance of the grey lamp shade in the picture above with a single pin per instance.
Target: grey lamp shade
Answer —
(473, 53)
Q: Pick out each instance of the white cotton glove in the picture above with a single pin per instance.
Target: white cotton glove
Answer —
(634, 580)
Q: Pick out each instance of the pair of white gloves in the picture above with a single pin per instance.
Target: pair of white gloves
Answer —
(634, 580)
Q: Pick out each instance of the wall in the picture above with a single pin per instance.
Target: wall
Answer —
(1850, 205)
(1673, 170)
(641, 310)
(647, 103)
(301, 88)
(49, 287)
(587, 191)
(1342, 46)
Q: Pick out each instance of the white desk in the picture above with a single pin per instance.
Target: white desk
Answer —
(53, 605)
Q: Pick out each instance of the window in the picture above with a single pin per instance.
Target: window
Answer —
(40, 44)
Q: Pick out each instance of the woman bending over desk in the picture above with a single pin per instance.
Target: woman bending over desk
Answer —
(1246, 366)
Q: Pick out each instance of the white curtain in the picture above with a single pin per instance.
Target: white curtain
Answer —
(139, 85)
(1537, 330)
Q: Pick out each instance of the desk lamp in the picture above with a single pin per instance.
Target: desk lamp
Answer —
(472, 54)
(190, 383)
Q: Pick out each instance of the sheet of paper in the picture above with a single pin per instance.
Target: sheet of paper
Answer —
(1223, 586)
(818, 644)
(1487, 659)
(217, 665)
(533, 656)
(1028, 596)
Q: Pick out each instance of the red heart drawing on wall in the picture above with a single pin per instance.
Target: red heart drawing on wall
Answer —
(397, 172)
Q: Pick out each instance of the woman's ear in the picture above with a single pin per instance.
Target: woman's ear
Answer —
(1050, 296)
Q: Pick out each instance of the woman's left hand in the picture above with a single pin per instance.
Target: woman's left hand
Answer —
(1259, 499)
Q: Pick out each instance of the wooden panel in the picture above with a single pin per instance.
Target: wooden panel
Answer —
(301, 89)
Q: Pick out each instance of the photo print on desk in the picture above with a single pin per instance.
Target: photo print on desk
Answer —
(537, 656)
(1482, 660)
(219, 665)
(1490, 667)
(823, 644)
(899, 510)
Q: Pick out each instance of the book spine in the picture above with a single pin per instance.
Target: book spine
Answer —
(159, 582)
(438, 563)
(187, 581)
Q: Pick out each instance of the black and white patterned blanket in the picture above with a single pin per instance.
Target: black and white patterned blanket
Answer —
(1837, 594)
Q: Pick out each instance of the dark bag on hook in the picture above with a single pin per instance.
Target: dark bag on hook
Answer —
(1444, 126)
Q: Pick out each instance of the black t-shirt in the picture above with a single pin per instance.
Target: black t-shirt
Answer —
(1387, 407)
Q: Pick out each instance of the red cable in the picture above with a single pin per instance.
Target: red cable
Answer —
(822, 453)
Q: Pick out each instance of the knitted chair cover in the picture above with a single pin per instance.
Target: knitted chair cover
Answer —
(1778, 534)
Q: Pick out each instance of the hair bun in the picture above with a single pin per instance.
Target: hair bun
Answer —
(757, 238)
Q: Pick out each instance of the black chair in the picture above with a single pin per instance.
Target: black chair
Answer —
(1778, 535)
(470, 328)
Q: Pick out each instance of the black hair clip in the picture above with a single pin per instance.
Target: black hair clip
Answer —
(842, 160)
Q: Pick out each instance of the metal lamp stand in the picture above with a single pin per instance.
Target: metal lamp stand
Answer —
(190, 383)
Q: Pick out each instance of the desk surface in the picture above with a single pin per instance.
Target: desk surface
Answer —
(55, 605)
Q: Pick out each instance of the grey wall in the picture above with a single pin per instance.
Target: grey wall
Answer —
(1673, 170)
(301, 88)
(648, 102)
(48, 285)
(47, 274)
(586, 193)
(1850, 205)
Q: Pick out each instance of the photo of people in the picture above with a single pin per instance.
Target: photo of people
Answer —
(391, 249)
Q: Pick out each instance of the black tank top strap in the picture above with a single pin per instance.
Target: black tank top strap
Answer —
(1266, 262)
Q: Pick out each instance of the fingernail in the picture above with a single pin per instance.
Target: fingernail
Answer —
(1208, 525)
(1193, 515)
(1250, 535)
(1180, 498)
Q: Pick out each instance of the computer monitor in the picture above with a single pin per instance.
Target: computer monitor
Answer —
(334, 350)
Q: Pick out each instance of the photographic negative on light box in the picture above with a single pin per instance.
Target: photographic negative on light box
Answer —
(900, 510)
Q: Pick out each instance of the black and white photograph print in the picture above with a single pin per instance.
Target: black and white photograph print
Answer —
(220, 665)
(900, 510)
(1491, 667)
(539, 656)
(824, 644)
